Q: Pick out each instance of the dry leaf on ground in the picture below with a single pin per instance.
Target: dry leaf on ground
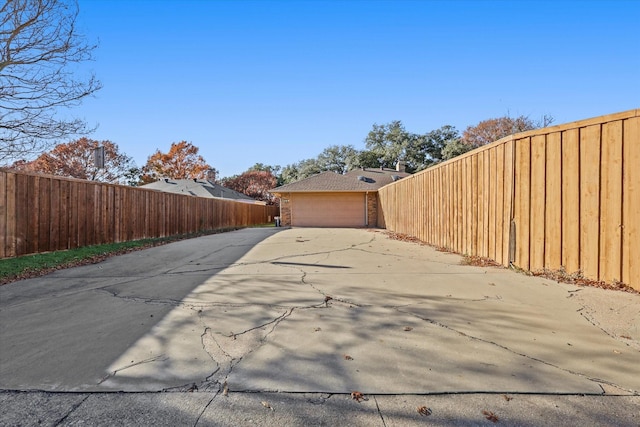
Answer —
(357, 396)
(423, 410)
(490, 416)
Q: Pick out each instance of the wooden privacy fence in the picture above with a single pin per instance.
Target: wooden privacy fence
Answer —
(44, 213)
(560, 198)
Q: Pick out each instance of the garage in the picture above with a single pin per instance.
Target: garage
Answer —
(331, 199)
(328, 210)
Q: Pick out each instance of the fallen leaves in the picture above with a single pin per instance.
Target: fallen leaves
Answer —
(490, 416)
(404, 238)
(507, 398)
(347, 357)
(408, 328)
(267, 405)
(423, 410)
(578, 279)
(357, 396)
(478, 261)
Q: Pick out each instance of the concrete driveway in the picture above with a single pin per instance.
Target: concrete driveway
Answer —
(306, 314)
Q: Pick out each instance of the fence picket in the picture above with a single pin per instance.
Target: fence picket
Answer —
(572, 193)
(44, 213)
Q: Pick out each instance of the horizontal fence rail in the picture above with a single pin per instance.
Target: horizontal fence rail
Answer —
(564, 198)
(45, 213)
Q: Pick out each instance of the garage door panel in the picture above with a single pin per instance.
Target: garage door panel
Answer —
(328, 210)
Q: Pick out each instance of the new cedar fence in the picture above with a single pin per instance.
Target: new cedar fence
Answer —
(564, 198)
(44, 213)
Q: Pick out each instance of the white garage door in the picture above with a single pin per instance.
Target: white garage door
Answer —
(328, 210)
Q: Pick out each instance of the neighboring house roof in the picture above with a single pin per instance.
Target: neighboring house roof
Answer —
(198, 188)
(357, 180)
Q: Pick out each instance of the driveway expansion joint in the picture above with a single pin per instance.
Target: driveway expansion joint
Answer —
(205, 408)
(379, 411)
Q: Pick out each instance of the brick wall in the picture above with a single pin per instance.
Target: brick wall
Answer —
(285, 210)
(372, 209)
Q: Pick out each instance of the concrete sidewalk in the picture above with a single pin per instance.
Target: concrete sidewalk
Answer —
(280, 326)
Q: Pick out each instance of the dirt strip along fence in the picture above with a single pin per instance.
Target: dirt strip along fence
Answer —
(44, 213)
(564, 198)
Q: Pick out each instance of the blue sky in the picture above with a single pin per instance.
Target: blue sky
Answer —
(276, 82)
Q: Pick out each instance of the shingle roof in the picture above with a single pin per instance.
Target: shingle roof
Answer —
(198, 188)
(358, 180)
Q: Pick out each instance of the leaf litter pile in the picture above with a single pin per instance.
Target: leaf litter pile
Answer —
(557, 275)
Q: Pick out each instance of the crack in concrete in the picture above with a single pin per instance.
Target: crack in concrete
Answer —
(207, 255)
(206, 347)
(486, 298)
(207, 270)
(594, 323)
(170, 302)
(72, 410)
(277, 319)
(327, 253)
(585, 312)
(203, 337)
(159, 358)
(535, 359)
(224, 359)
(182, 304)
(327, 297)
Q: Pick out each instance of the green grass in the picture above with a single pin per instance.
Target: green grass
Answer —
(35, 265)
(265, 225)
(27, 266)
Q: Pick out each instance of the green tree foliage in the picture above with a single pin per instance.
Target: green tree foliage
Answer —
(437, 141)
(454, 148)
(391, 143)
(368, 159)
(289, 174)
(335, 158)
(133, 176)
(338, 158)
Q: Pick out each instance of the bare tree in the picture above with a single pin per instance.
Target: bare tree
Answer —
(39, 44)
